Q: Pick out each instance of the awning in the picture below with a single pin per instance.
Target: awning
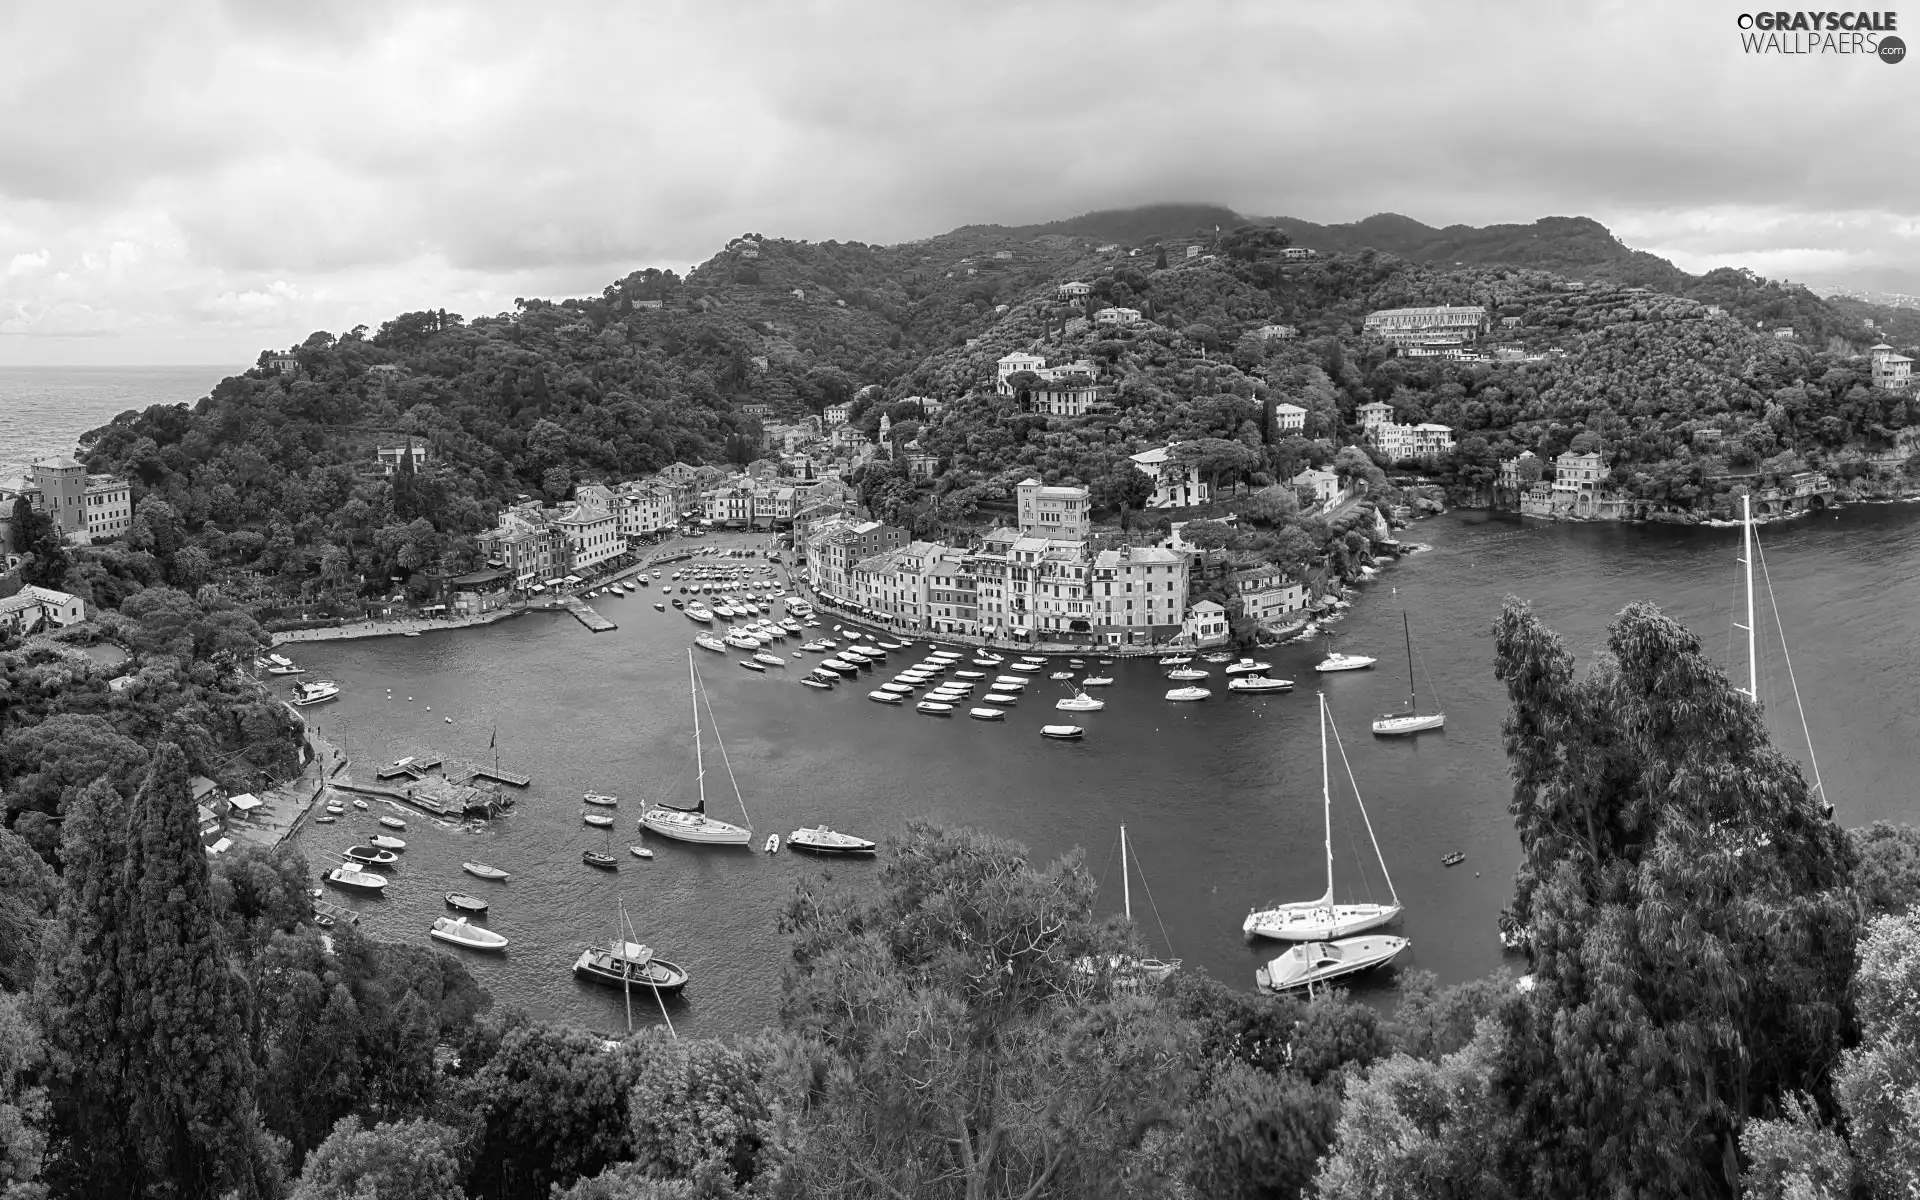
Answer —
(555, 582)
(434, 608)
(573, 579)
(539, 587)
(246, 802)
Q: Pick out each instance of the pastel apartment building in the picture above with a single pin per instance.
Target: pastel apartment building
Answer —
(1053, 512)
(1266, 594)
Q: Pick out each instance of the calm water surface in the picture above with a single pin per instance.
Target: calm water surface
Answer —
(44, 410)
(1221, 799)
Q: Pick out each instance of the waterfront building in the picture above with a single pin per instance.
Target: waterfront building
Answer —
(952, 601)
(836, 544)
(33, 608)
(1510, 470)
(1288, 418)
(524, 546)
(389, 458)
(1422, 326)
(1576, 483)
(1138, 594)
(1176, 484)
(1893, 372)
(1207, 624)
(1266, 594)
(731, 504)
(774, 504)
(1053, 512)
(589, 536)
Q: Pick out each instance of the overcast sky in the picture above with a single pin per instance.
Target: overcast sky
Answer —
(190, 181)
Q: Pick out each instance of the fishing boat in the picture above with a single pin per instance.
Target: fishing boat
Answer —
(484, 871)
(1409, 719)
(1323, 920)
(1454, 859)
(1181, 694)
(987, 714)
(822, 840)
(372, 856)
(1128, 972)
(458, 932)
(466, 903)
(601, 799)
(597, 820)
(596, 858)
(1065, 733)
(386, 843)
(626, 964)
(1323, 962)
(694, 825)
(350, 878)
(393, 822)
(1079, 702)
(1245, 666)
(317, 691)
(706, 641)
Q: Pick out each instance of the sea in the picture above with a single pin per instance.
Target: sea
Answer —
(44, 410)
(1222, 800)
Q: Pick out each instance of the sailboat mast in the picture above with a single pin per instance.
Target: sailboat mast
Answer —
(699, 766)
(1326, 795)
(1126, 889)
(1413, 700)
(1746, 558)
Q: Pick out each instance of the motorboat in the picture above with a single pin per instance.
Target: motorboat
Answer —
(466, 903)
(1247, 666)
(1343, 662)
(1259, 683)
(707, 641)
(317, 691)
(899, 689)
(601, 799)
(361, 805)
(393, 822)
(1065, 733)
(822, 840)
(1076, 662)
(1176, 660)
(384, 842)
(741, 640)
(372, 856)
(1218, 658)
(1079, 702)
(693, 824)
(1000, 698)
(484, 871)
(984, 659)
(1010, 681)
(597, 820)
(1025, 667)
(1186, 673)
(821, 684)
(1323, 920)
(1097, 681)
(1188, 693)
(625, 964)
(1313, 963)
(350, 878)
(814, 647)
(934, 707)
(659, 607)
(700, 613)
(1032, 658)
(1409, 719)
(750, 665)
(458, 932)
(1061, 675)
(639, 851)
(601, 859)
(969, 674)
(987, 714)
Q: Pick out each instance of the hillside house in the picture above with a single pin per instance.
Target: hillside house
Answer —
(1266, 594)
(1298, 254)
(1321, 491)
(1176, 484)
(1576, 483)
(1117, 316)
(1053, 512)
(1893, 372)
(1075, 290)
(1013, 364)
(33, 608)
(389, 458)
(1288, 418)
(1206, 624)
(1276, 333)
(1436, 326)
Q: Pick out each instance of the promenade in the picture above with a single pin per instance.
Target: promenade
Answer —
(285, 806)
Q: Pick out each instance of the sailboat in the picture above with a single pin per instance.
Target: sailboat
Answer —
(1323, 920)
(1749, 548)
(1410, 719)
(1130, 973)
(694, 825)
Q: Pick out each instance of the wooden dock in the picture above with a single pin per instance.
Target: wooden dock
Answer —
(591, 619)
(327, 908)
(502, 775)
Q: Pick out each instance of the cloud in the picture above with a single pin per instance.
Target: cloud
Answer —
(243, 171)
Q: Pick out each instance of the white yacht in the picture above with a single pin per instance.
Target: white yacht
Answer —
(1409, 719)
(1258, 683)
(1343, 662)
(349, 877)
(459, 932)
(1247, 666)
(1322, 962)
(1188, 693)
(706, 641)
(694, 825)
(1186, 673)
(822, 840)
(317, 691)
(1079, 702)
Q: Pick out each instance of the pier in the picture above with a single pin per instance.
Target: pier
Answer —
(591, 619)
(466, 772)
(413, 768)
(327, 908)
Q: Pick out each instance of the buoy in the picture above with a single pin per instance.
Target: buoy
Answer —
(448, 720)
(429, 708)
(409, 699)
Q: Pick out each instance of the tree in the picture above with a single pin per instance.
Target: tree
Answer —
(1255, 1135)
(1888, 874)
(1688, 905)
(28, 896)
(1878, 1081)
(415, 1159)
(1795, 1157)
(700, 1112)
(553, 1104)
(39, 541)
(23, 1103)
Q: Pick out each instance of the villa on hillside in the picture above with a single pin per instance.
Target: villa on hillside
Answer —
(1176, 484)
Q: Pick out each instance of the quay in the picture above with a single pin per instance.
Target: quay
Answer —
(591, 619)
(415, 768)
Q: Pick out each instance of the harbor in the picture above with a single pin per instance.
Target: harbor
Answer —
(1221, 798)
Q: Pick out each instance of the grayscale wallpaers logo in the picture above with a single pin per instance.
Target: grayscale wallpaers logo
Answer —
(1800, 33)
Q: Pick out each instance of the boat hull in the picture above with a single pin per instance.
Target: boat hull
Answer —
(1401, 726)
(1301, 968)
(1317, 922)
(604, 969)
(694, 827)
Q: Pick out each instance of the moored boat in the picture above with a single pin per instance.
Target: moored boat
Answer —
(629, 964)
(1061, 732)
(1259, 683)
(1311, 963)
(386, 843)
(1343, 662)
(317, 691)
(934, 707)
(1247, 666)
(987, 714)
(822, 840)
(372, 856)
(600, 798)
(1079, 702)
(351, 878)
(466, 903)
(393, 822)
(1188, 694)
(483, 871)
(597, 858)
(597, 820)
(458, 931)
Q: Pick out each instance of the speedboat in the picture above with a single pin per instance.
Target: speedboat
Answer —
(1176, 660)
(697, 613)
(484, 871)
(986, 714)
(822, 684)
(1061, 675)
(1188, 693)
(813, 647)
(707, 641)
(1186, 673)
(317, 691)
(597, 820)
(1079, 702)
(1247, 666)
(1097, 681)
(628, 964)
(1065, 733)
(938, 708)
(1310, 963)
(822, 840)
(1344, 662)
(466, 903)
(372, 856)
(457, 931)
(386, 843)
(601, 799)
(1218, 658)
(351, 878)
(750, 665)
(1259, 683)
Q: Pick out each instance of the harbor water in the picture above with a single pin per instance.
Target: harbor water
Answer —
(1221, 799)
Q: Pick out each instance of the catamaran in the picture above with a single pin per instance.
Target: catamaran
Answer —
(1322, 920)
(694, 825)
(1409, 719)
